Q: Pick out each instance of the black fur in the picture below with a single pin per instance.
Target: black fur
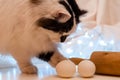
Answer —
(59, 27)
(45, 56)
(67, 7)
(76, 10)
(37, 2)
(62, 38)
(55, 25)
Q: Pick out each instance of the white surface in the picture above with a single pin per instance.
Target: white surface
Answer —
(45, 73)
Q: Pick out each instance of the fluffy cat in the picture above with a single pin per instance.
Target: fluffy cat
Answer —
(30, 28)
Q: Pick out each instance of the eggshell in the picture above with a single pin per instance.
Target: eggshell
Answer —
(86, 68)
(66, 68)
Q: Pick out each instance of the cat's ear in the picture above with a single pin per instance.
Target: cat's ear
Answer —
(62, 16)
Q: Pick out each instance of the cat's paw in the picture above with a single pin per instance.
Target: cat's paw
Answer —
(55, 59)
(29, 69)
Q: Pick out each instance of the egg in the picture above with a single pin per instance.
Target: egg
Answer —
(86, 68)
(66, 69)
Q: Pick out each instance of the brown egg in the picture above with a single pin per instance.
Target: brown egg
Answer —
(86, 68)
(66, 68)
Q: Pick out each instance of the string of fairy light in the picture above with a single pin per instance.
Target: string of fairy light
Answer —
(83, 42)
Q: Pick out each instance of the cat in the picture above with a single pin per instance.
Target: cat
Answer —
(30, 28)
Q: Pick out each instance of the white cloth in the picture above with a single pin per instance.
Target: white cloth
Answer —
(102, 12)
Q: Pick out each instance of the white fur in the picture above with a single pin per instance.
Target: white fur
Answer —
(19, 34)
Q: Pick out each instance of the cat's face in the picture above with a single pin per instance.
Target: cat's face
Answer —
(56, 18)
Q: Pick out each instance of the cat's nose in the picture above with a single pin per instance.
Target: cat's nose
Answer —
(63, 38)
